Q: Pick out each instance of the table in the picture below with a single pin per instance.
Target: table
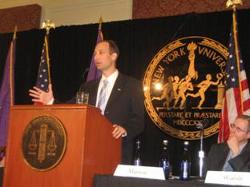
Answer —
(111, 181)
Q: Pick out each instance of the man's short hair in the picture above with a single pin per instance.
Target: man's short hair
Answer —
(113, 47)
(245, 117)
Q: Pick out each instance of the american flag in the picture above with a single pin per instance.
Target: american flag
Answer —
(94, 73)
(43, 76)
(237, 98)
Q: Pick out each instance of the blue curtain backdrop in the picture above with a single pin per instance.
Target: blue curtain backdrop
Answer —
(71, 50)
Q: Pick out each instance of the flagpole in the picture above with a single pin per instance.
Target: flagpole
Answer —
(100, 27)
(237, 53)
(234, 4)
(11, 68)
(47, 24)
(47, 56)
(100, 23)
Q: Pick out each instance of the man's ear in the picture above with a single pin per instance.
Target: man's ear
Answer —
(114, 56)
(248, 135)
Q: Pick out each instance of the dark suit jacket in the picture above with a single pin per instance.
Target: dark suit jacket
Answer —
(218, 154)
(125, 107)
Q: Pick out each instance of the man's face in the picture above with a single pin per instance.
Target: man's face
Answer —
(104, 59)
(240, 130)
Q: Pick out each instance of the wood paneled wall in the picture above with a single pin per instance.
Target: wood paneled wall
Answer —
(159, 8)
(24, 17)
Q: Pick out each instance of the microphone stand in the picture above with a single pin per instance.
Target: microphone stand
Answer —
(201, 154)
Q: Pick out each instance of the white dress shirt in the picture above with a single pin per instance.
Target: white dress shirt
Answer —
(111, 81)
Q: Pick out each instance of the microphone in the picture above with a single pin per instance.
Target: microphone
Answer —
(83, 78)
(84, 73)
(202, 124)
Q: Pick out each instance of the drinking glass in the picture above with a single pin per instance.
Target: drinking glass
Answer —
(82, 97)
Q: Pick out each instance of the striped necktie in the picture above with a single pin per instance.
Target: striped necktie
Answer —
(102, 96)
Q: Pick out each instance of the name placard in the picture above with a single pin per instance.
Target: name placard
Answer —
(140, 172)
(229, 178)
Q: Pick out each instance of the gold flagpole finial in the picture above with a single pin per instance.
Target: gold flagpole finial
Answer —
(233, 3)
(48, 24)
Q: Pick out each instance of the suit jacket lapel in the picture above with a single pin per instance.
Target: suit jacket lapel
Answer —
(117, 90)
(223, 156)
(246, 148)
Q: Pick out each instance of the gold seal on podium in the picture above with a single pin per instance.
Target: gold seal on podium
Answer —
(44, 143)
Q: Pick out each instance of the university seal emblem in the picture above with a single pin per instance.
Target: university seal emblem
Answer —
(183, 87)
(44, 143)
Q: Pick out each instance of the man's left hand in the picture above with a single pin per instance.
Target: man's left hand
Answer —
(233, 145)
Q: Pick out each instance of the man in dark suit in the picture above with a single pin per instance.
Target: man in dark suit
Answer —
(119, 97)
(234, 155)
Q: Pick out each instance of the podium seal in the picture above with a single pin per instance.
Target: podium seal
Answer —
(44, 143)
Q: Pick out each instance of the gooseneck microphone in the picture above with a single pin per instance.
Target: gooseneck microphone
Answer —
(83, 78)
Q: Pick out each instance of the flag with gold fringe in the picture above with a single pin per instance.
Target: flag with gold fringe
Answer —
(237, 98)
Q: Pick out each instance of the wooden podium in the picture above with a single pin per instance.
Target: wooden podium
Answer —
(90, 148)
